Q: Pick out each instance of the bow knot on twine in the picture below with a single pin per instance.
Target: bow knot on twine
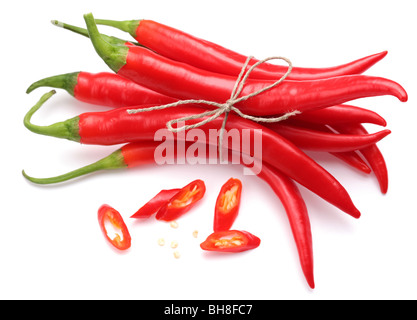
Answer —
(228, 106)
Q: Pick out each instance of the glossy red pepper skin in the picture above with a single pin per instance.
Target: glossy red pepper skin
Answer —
(182, 81)
(227, 205)
(153, 205)
(340, 114)
(230, 241)
(308, 139)
(352, 158)
(118, 91)
(182, 201)
(96, 128)
(107, 213)
(297, 214)
(180, 46)
(111, 90)
(371, 153)
(103, 89)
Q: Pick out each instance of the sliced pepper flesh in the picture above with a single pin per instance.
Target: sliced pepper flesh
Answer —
(227, 205)
(230, 241)
(122, 240)
(182, 201)
(153, 205)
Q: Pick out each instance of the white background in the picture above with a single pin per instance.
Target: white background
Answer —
(51, 246)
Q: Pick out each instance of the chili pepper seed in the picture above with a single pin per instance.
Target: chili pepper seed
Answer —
(161, 242)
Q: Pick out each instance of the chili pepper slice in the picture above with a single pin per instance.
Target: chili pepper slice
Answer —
(182, 201)
(153, 205)
(227, 205)
(96, 128)
(134, 154)
(230, 241)
(109, 214)
(180, 46)
(183, 81)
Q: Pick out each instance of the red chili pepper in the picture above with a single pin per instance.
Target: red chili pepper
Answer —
(340, 114)
(136, 154)
(182, 201)
(117, 126)
(352, 158)
(227, 205)
(230, 241)
(297, 214)
(153, 205)
(104, 89)
(183, 81)
(109, 89)
(109, 214)
(308, 139)
(371, 153)
(180, 46)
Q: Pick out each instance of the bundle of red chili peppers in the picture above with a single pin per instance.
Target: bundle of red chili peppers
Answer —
(167, 65)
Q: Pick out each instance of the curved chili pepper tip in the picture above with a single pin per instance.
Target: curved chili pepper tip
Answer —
(356, 214)
(403, 96)
(67, 129)
(381, 55)
(398, 91)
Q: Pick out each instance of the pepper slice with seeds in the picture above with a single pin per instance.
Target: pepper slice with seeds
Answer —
(182, 201)
(227, 205)
(230, 241)
(122, 239)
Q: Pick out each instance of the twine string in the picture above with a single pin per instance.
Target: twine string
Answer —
(226, 107)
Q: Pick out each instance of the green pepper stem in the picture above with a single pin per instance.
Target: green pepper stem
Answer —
(113, 161)
(129, 26)
(66, 130)
(66, 81)
(114, 56)
(72, 28)
(84, 32)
